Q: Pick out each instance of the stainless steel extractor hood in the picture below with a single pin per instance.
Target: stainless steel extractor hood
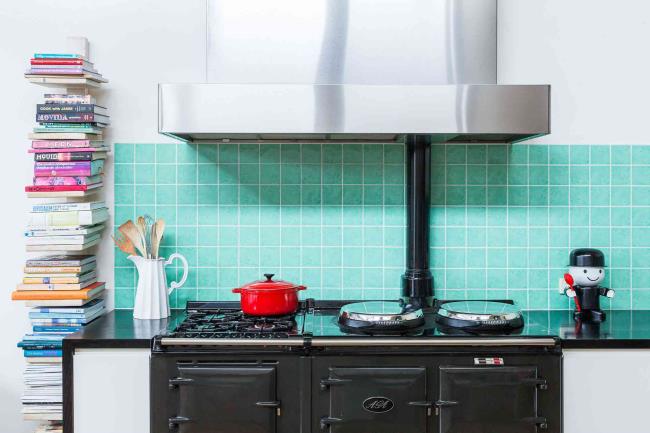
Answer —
(352, 70)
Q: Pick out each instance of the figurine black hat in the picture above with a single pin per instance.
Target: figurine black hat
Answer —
(587, 257)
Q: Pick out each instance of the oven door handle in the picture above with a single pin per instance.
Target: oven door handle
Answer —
(325, 422)
(426, 404)
(540, 421)
(271, 405)
(332, 381)
(176, 381)
(175, 421)
(540, 383)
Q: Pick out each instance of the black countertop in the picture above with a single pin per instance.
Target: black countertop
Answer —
(622, 329)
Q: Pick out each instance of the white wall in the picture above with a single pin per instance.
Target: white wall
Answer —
(135, 44)
(590, 51)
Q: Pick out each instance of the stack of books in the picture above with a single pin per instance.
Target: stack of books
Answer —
(65, 295)
(65, 226)
(62, 289)
(59, 281)
(68, 148)
(61, 68)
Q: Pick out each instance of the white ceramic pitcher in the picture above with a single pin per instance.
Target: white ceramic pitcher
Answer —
(152, 295)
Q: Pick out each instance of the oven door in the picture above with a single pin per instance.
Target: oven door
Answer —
(215, 398)
(375, 400)
(488, 399)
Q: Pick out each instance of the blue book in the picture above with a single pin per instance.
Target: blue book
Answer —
(79, 310)
(42, 353)
(57, 329)
(41, 337)
(43, 345)
(57, 56)
(58, 320)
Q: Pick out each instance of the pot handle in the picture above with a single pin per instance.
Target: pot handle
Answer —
(301, 288)
(237, 290)
(174, 284)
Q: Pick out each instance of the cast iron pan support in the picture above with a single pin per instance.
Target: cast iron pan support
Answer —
(417, 281)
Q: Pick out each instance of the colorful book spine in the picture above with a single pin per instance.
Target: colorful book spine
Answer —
(67, 180)
(53, 329)
(66, 207)
(42, 353)
(70, 117)
(59, 321)
(65, 108)
(64, 98)
(58, 62)
(63, 156)
(52, 269)
(57, 56)
(39, 345)
(56, 188)
(60, 144)
(66, 169)
(56, 71)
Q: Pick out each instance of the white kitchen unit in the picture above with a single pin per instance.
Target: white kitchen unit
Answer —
(111, 390)
(606, 391)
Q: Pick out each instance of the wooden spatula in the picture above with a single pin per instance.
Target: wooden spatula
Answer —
(124, 244)
(129, 230)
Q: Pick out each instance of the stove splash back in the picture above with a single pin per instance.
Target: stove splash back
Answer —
(332, 217)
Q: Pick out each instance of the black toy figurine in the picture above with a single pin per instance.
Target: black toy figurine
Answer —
(586, 271)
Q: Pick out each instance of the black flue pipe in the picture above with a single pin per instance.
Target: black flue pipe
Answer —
(417, 281)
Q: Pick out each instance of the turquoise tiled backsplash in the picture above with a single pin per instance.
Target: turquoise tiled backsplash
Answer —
(332, 217)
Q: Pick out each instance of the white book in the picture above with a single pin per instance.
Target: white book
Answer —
(62, 247)
(44, 360)
(67, 219)
(66, 207)
(61, 240)
(65, 231)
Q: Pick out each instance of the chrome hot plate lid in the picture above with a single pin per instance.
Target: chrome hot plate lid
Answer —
(380, 315)
(479, 314)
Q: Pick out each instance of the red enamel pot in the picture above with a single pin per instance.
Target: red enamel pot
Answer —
(269, 297)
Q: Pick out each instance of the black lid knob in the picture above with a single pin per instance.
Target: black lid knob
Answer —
(268, 276)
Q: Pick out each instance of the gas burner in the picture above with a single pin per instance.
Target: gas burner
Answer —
(478, 316)
(231, 323)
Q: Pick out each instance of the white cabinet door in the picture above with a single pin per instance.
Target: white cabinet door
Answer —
(111, 391)
(606, 391)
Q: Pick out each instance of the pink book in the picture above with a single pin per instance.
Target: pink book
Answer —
(58, 188)
(67, 180)
(61, 144)
(77, 168)
(72, 149)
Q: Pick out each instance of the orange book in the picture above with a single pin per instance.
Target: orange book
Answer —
(41, 295)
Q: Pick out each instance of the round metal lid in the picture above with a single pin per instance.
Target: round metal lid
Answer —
(379, 311)
(479, 311)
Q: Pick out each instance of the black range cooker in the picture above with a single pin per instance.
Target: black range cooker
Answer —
(220, 371)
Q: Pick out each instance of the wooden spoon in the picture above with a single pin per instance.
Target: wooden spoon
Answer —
(142, 228)
(129, 230)
(157, 230)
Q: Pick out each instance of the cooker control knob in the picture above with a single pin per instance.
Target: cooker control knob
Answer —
(269, 276)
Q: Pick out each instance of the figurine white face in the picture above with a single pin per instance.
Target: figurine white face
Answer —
(586, 276)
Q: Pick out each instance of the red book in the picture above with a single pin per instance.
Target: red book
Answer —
(59, 188)
(57, 61)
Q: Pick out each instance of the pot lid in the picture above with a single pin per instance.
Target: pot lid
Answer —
(269, 284)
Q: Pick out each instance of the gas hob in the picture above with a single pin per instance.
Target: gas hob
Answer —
(316, 323)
